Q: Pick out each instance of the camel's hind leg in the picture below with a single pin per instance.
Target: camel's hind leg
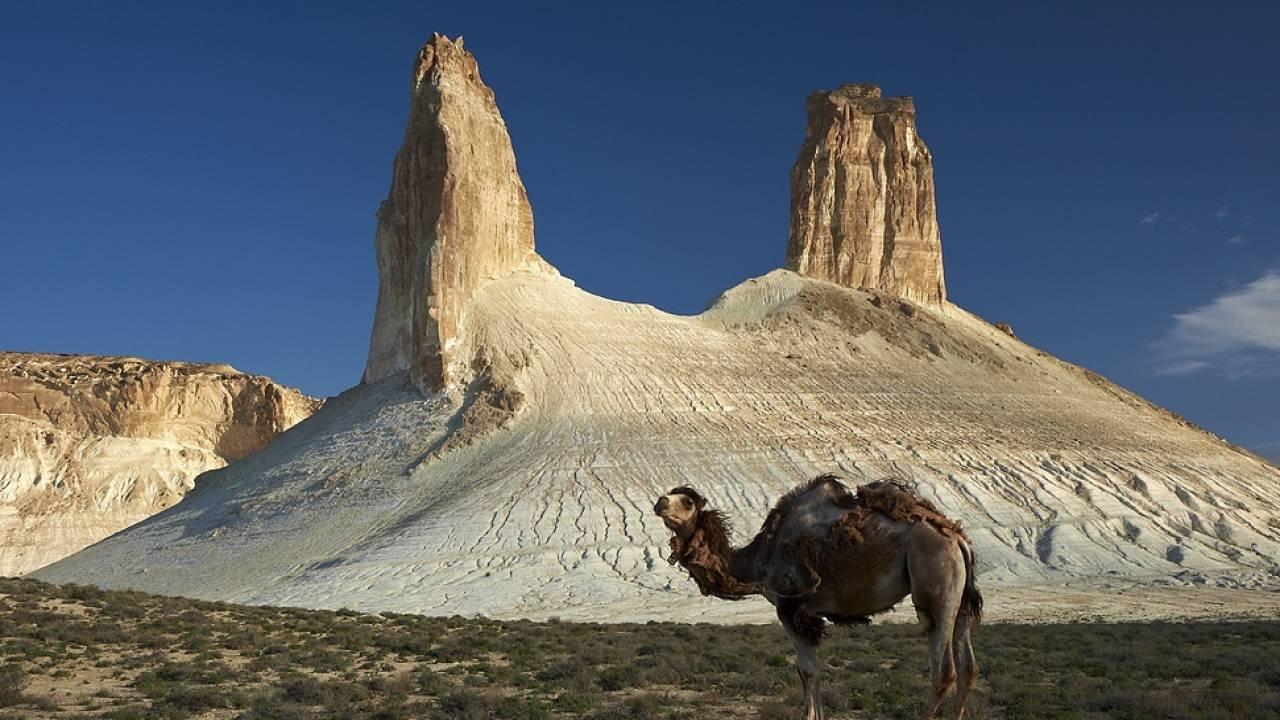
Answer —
(937, 585)
(966, 664)
(942, 665)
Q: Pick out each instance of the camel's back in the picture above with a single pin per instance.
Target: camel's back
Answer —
(821, 530)
(811, 510)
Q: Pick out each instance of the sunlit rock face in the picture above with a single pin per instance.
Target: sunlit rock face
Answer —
(457, 215)
(862, 202)
(90, 445)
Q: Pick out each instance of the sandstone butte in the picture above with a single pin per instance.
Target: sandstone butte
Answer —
(502, 454)
(90, 445)
(862, 208)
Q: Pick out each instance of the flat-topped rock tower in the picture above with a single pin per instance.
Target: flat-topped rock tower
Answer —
(862, 200)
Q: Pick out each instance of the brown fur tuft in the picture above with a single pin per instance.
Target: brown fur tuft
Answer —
(809, 627)
(706, 554)
(901, 505)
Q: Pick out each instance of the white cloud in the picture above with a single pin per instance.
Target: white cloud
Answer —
(1183, 367)
(1223, 212)
(1149, 218)
(1236, 335)
(1236, 240)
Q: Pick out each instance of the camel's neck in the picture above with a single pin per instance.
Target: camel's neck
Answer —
(718, 568)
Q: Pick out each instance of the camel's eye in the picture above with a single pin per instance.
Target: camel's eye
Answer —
(686, 502)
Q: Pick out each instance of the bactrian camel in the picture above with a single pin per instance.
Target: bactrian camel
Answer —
(825, 554)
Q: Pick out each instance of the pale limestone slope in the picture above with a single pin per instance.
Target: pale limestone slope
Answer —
(90, 445)
(1071, 488)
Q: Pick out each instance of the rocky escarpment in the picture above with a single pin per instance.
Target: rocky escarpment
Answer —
(862, 200)
(457, 215)
(89, 445)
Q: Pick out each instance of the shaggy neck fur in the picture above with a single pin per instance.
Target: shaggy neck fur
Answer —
(717, 568)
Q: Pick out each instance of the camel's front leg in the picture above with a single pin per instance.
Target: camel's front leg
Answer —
(810, 678)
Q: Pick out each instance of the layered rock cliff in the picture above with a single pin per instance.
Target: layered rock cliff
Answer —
(862, 200)
(90, 445)
(457, 215)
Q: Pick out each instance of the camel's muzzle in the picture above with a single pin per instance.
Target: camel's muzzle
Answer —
(661, 506)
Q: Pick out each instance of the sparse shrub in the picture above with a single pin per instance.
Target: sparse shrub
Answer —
(392, 686)
(431, 683)
(119, 608)
(577, 703)
(274, 709)
(622, 677)
(569, 674)
(13, 680)
(332, 694)
(466, 705)
(130, 712)
(514, 708)
(196, 698)
(644, 706)
(776, 710)
(302, 689)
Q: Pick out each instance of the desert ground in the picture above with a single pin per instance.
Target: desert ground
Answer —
(79, 652)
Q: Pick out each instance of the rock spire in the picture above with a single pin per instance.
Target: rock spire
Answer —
(457, 215)
(862, 204)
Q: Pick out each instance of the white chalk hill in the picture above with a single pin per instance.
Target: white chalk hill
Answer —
(506, 464)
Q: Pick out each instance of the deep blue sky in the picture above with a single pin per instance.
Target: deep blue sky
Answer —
(199, 183)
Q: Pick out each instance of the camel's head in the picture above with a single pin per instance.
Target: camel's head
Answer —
(679, 509)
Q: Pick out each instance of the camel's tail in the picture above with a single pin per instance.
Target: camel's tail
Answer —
(971, 600)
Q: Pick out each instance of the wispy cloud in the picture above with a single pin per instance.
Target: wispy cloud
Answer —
(1236, 335)
(1228, 219)
(1161, 221)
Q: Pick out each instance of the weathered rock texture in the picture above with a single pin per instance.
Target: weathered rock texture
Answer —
(531, 494)
(862, 204)
(457, 215)
(90, 445)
